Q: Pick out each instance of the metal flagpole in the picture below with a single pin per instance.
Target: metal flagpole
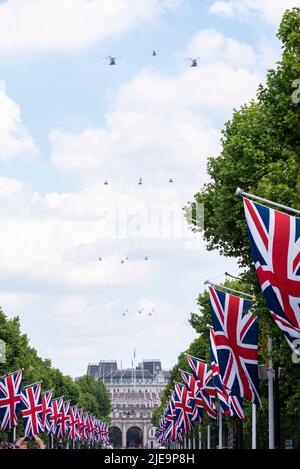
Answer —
(271, 395)
(14, 434)
(253, 426)
(260, 199)
(229, 289)
(220, 428)
(208, 437)
(200, 439)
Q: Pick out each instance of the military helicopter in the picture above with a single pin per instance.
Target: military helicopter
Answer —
(171, 180)
(112, 60)
(194, 61)
(154, 53)
(106, 183)
(140, 182)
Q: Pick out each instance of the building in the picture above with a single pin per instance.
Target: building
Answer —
(135, 393)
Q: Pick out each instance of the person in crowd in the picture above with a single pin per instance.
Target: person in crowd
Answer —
(22, 443)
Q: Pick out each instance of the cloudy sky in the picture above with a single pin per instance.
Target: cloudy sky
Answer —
(69, 122)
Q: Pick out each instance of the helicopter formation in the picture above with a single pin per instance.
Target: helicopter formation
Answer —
(140, 312)
(140, 182)
(123, 260)
(113, 60)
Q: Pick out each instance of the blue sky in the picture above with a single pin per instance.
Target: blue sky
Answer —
(70, 121)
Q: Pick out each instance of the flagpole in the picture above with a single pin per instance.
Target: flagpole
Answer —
(31, 385)
(200, 439)
(14, 434)
(253, 426)
(220, 428)
(271, 395)
(229, 289)
(266, 201)
(208, 436)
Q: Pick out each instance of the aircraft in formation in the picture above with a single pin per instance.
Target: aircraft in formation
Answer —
(140, 312)
(140, 182)
(113, 60)
(124, 259)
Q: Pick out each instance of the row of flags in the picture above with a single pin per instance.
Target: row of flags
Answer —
(232, 375)
(43, 413)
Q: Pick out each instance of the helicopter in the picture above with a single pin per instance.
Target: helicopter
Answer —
(112, 60)
(154, 53)
(106, 183)
(140, 182)
(194, 61)
(171, 180)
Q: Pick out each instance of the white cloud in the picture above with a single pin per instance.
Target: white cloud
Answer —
(69, 26)
(270, 10)
(15, 140)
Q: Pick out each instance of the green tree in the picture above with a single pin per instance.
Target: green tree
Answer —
(260, 153)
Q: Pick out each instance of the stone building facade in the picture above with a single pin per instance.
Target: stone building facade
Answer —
(135, 393)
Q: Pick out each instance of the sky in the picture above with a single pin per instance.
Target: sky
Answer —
(69, 122)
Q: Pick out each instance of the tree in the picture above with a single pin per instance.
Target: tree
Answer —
(260, 153)
(86, 392)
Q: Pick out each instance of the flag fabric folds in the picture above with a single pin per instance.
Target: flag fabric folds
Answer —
(32, 410)
(10, 399)
(236, 344)
(275, 246)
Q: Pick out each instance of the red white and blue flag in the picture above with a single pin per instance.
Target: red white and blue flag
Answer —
(47, 410)
(55, 417)
(230, 405)
(236, 344)
(10, 399)
(74, 424)
(194, 388)
(63, 424)
(275, 246)
(183, 408)
(170, 429)
(32, 410)
(204, 375)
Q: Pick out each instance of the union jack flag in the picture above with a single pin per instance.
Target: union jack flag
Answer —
(183, 408)
(204, 375)
(236, 343)
(230, 405)
(81, 423)
(170, 432)
(104, 432)
(85, 435)
(194, 387)
(92, 428)
(74, 424)
(63, 424)
(10, 398)
(275, 246)
(55, 417)
(32, 410)
(47, 410)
